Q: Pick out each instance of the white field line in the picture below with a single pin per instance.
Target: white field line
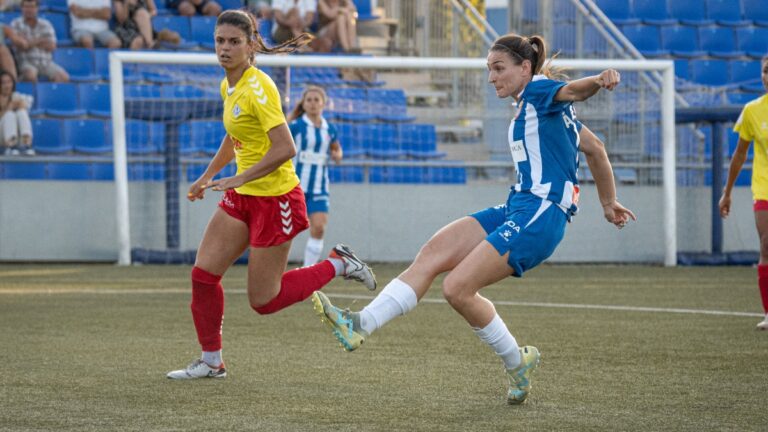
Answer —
(424, 300)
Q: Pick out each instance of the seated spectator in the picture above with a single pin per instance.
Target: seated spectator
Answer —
(8, 5)
(133, 20)
(292, 18)
(15, 126)
(90, 20)
(338, 23)
(7, 62)
(34, 40)
(261, 9)
(195, 7)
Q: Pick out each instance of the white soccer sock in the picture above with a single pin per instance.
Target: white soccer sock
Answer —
(338, 265)
(397, 298)
(312, 251)
(212, 358)
(497, 335)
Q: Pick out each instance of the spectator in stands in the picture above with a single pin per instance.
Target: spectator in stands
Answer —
(292, 18)
(752, 125)
(508, 239)
(315, 140)
(338, 22)
(90, 20)
(7, 62)
(195, 7)
(35, 39)
(133, 23)
(8, 5)
(15, 126)
(263, 206)
(261, 8)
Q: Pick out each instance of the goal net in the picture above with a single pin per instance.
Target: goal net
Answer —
(424, 142)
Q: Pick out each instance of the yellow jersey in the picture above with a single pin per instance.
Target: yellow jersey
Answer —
(250, 111)
(752, 125)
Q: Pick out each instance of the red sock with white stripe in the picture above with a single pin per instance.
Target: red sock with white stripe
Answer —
(298, 284)
(207, 308)
(762, 282)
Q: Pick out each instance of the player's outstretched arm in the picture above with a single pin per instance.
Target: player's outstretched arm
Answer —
(584, 88)
(600, 166)
(737, 161)
(223, 156)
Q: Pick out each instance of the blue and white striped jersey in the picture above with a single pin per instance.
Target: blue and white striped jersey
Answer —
(312, 147)
(544, 141)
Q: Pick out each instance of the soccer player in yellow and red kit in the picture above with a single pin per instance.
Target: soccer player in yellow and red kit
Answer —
(752, 125)
(263, 206)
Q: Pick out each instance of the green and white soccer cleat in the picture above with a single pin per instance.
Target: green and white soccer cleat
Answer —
(520, 377)
(339, 321)
(198, 369)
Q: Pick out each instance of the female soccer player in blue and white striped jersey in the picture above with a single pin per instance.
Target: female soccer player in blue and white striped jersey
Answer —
(511, 238)
(316, 140)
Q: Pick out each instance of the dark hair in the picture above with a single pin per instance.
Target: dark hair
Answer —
(36, 2)
(4, 72)
(246, 22)
(298, 110)
(531, 48)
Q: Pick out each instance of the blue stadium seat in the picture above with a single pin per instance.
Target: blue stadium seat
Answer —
(740, 98)
(138, 91)
(419, 141)
(95, 99)
(564, 39)
(652, 12)
(58, 99)
(179, 24)
(390, 105)
(382, 141)
(78, 62)
(188, 146)
(47, 133)
(231, 4)
(207, 135)
(396, 174)
(60, 23)
(87, 136)
(745, 71)
(57, 5)
(726, 13)
(756, 11)
(69, 171)
(709, 72)
(345, 174)
(595, 44)
(681, 41)
(619, 11)
(646, 39)
(753, 41)
(688, 12)
(365, 10)
(201, 30)
(138, 139)
(23, 171)
(101, 67)
(186, 92)
(719, 42)
(681, 69)
(195, 170)
(146, 172)
(29, 88)
(445, 175)
(7, 17)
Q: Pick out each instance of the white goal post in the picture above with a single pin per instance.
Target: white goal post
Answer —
(118, 59)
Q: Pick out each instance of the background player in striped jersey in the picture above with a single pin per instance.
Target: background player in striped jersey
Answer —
(263, 207)
(511, 238)
(752, 125)
(316, 139)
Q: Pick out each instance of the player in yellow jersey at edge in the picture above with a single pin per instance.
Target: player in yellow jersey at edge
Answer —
(752, 125)
(263, 206)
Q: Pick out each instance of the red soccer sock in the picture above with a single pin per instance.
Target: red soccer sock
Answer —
(298, 284)
(207, 308)
(762, 282)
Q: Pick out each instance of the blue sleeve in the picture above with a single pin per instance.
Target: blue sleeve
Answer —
(294, 127)
(541, 94)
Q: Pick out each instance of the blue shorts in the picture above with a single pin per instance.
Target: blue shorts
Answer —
(527, 227)
(317, 203)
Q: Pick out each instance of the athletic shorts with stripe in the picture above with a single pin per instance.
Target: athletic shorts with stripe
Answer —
(271, 220)
(528, 227)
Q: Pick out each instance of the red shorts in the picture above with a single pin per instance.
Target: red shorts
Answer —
(271, 220)
(760, 205)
